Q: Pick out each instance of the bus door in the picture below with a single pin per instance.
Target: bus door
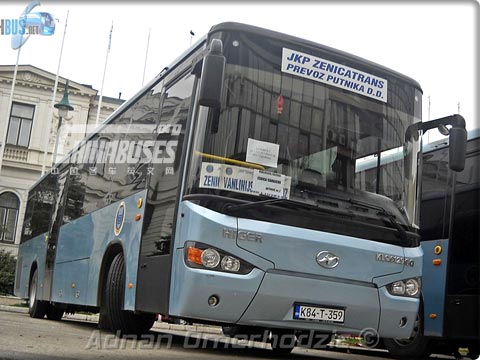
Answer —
(463, 279)
(153, 280)
(55, 223)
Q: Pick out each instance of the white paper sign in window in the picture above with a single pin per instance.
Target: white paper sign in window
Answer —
(269, 184)
(262, 152)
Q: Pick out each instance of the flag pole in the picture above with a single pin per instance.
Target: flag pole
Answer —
(50, 113)
(103, 80)
(9, 109)
(146, 55)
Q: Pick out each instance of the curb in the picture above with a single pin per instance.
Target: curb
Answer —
(15, 309)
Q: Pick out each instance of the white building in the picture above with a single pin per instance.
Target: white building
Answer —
(28, 121)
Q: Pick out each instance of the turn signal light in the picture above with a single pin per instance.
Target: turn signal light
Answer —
(194, 255)
(432, 316)
(437, 262)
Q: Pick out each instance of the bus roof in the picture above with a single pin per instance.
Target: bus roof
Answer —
(434, 145)
(233, 26)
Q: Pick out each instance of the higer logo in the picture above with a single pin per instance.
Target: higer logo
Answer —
(242, 235)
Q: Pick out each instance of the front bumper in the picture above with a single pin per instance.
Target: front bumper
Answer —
(266, 299)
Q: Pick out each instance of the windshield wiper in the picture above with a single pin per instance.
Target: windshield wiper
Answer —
(380, 211)
(255, 204)
(240, 204)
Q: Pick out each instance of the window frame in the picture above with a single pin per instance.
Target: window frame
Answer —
(22, 120)
(6, 216)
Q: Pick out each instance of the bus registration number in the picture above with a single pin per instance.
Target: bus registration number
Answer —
(319, 313)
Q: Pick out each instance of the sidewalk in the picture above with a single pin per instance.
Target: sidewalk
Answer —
(12, 304)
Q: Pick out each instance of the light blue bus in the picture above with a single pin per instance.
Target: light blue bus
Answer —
(232, 198)
(449, 316)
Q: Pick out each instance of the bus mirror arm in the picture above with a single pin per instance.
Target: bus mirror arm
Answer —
(457, 138)
(213, 72)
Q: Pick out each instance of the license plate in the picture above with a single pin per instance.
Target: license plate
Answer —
(319, 313)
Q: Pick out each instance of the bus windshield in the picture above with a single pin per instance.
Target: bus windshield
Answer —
(284, 135)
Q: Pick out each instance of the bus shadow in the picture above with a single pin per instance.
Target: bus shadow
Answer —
(207, 344)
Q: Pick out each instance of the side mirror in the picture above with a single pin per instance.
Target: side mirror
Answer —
(213, 72)
(457, 138)
(458, 147)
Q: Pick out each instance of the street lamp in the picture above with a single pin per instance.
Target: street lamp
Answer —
(63, 107)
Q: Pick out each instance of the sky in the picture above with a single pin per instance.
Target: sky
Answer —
(434, 43)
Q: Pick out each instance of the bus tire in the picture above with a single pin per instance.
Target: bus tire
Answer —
(36, 308)
(416, 347)
(54, 313)
(122, 321)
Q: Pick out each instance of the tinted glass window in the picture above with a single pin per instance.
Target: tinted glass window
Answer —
(97, 188)
(39, 207)
(77, 179)
(165, 169)
(463, 271)
(433, 215)
(135, 146)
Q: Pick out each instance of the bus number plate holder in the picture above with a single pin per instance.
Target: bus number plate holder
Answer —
(319, 313)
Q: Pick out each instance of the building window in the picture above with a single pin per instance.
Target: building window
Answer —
(9, 205)
(20, 125)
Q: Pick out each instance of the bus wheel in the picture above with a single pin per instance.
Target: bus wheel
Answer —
(54, 313)
(36, 308)
(125, 322)
(415, 347)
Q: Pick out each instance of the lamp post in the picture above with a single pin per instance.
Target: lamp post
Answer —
(63, 108)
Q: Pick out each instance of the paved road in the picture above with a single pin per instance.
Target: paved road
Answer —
(22, 337)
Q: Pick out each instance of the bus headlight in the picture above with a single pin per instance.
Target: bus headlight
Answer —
(210, 258)
(229, 263)
(408, 287)
(412, 287)
(202, 256)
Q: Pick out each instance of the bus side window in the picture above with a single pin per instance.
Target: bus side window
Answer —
(463, 271)
(39, 208)
(76, 189)
(97, 189)
(165, 170)
(433, 218)
(139, 122)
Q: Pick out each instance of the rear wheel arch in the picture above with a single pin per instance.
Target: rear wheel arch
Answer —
(36, 308)
(32, 271)
(417, 346)
(112, 315)
(33, 268)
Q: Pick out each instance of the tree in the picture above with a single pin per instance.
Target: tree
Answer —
(7, 273)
